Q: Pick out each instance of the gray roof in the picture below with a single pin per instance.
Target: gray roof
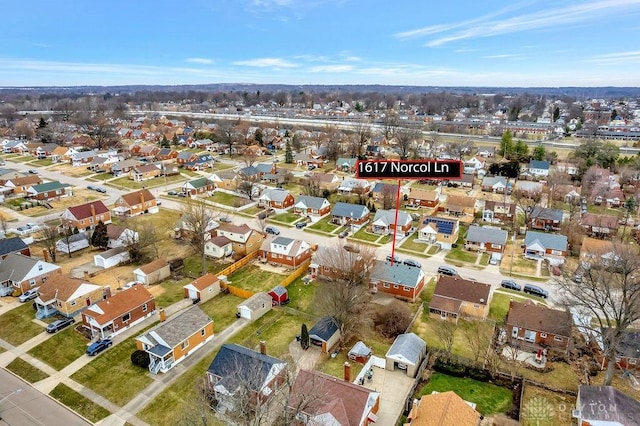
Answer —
(179, 327)
(16, 266)
(75, 238)
(311, 202)
(112, 252)
(13, 244)
(618, 406)
(275, 194)
(346, 161)
(409, 346)
(283, 241)
(324, 328)
(345, 210)
(389, 217)
(399, 273)
(546, 214)
(492, 180)
(539, 164)
(264, 168)
(482, 234)
(360, 349)
(548, 241)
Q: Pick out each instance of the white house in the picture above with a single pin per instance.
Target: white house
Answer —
(218, 247)
(539, 168)
(72, 243)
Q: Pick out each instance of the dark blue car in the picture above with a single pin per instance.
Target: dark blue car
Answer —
(99, 346)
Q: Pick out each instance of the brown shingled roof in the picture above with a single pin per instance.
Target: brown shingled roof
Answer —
(445, 304)
(134, 198)
(539, 318)
(83, 211)
(204, 281)
(461, 289)
(60, 287)
(118, 305)
(460, 201)
(153, 266)
(443, 409)
(600, 220)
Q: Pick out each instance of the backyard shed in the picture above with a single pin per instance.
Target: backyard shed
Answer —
(255, 306)
(73, 243)
(112, 257)
(325, 333)
(360, 352)
(203, 288)
(406, 353)
(279, 296)
(152, 272)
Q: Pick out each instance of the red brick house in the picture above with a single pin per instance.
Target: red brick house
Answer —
(534, 326)
(399, 280)
(23, 272)
(285, 251)
(86, 216)
(50, 191)
(135, 203)
(312, 206)
(384, 222)
(419, 197)
(486, 239)
(349, 214)
(276, 199)
(455, 297)
(599, 225)
(117, 313)
(546, 219)
(627, 351)
(199, 186)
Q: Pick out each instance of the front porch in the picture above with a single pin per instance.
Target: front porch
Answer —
(161, 359)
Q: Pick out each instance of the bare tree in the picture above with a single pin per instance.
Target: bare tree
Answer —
(101, 132)
(405, 141)
(24, 129)
(50, 236)
(391, 123)
(362, 134)
(249, 157)
(4, 225)
(344, 292)
(389, 194)
(460, 148)
(609, 292)
(247, 186)
(477, 338)
(226, 135)
(525, 202)
(197, 221)
(446, 333)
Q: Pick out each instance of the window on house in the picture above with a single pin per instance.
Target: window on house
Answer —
(385, 285)
(39, 267)
(32, 283)
(632, 361)
(203, 332)
(73, 303)
(185, 344)
(543, 335)
(475, 305)
(126, 317)
(144, 308)
(396, 286)
(558, 338)
(407, 289)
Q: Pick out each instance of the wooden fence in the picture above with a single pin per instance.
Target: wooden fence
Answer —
(239, 264)
(298, 272)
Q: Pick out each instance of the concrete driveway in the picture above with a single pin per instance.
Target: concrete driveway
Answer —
(394, 388)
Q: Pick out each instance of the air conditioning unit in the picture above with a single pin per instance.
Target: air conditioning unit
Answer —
(576, 414)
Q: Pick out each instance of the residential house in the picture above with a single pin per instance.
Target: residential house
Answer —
(15, 146)
(347, 165)
(306, 160)
(320, 399)
(435, 230)
(285, 251)
(115, 314)
(486, 151)
(120, 236)
(200, 162)
(66, 296)
(528, 189)
(325, 334)
(406, 353)
(627, 349)
(599, 225)
(455, 297)
(239, 376)
(218, 247)
(153, 272)
(13, 245)
(112, 257)
(552, 247)
(166, 154)
(596, 252)
(496, 184)
(203, 288)
(136, 203)
(374, 151)
(315, 207)
(400, 280)
(539, 168)
(61, 154)
(419, 197)
(327, 181)
(443, 409)
(85, 216)
(225, 179)
(351, 185)
(532, 326)
(546, 219)
(184, 157)
(255, 306)
(486, 239)
(349, 214)
(185, 227)
(280, 199)
(144, 172)
(474, 164)
(498, 212)
(467, 181)
(173, 340)
(199, 186)
(20, 185)
(50, 191)
(82, 158)
(384, 222)
(244, 239)
(24, 272)
(568, 168)
(459, 205)
(72, 243)
(605, 406)
(124, 166)
(382, 190)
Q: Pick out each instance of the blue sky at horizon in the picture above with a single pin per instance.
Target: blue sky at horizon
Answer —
(457, 43)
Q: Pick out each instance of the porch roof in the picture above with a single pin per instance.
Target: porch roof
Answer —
(159, 350)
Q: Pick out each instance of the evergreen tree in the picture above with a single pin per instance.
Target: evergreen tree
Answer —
(99, 237)
(304, 337)
(521, 150)
(174, 140)
(288, 153)
(539, 153)
(506, 144)
(259, 137)
(42, 123)
(164, 143)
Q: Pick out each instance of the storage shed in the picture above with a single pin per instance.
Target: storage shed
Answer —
(406, 353)
(73, 243)
(360, 352)
(112, 257)
(279, 296)
(325, 333)
(255, 306)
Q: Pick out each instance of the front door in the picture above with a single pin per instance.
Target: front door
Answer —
(514, 332)
(88, 301)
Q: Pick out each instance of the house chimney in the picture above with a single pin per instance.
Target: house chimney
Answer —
(45, 254)
(347, 371)
(93, 213)
(263, 347)
(162, 315)
(86, 275)
(142, 198)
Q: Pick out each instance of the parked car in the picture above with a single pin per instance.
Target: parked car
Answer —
(411, 262)
(225, 219)
(447, 270)
(33, 171)
(182, 194)
(350, 248)
(343, 234)
(92, 187)
(101, 189)
(130, 284)
(396, 259)
(172, 193)
(536, 291)
(58, 325)
(272, 230)
(301, 225)
(266, 213)
(96, 347)
(510, 284)
(30, 294)
(6, 291)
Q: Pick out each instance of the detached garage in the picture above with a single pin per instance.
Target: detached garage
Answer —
(325, 333)
(153, 272)
(73, 243)
(255, 306)
(406, 353)
(111, 258)
(203, 288)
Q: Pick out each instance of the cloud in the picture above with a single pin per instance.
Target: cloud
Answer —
(504, 56)
(618, 58)
(331, 68)
(203, 61)
(266, 63)
(487, 26)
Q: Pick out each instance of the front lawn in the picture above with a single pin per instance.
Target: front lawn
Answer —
(286, 217)
(78, 403)
(228, 199)
(324, 225)
(17, 326)
(500, 303)
(61, 349)
(222, 309)
(252, 278)
(27, 371)
(413, 244)
(112, 375)
(489, 398)
(461, 255)
(363, 235)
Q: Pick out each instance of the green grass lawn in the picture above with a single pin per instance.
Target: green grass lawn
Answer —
(363, 235)
(433, 249)
(425, 327)
(484, 259)
(115, 362)
(16, 325)
(61, 349)
(125, 183)
(193, 265)
(413, 244)
(561, 405)
(27, 371)
(43, 163)
(324, 225)
(228, 199)
(251, 277)
(301, 295)
(23, 159)
(489, 398)
(500, 302)
(173, 292)
(427, 291)
(562, 376)
(286, 217)
(461, 255)
(222, 309)
(78, 403)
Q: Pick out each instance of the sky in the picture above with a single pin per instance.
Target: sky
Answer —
(530, 43)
